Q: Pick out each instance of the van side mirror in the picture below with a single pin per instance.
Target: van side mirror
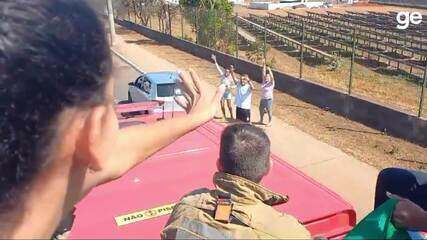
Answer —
(131, 84)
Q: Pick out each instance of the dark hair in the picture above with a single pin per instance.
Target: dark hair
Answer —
(53, 55)
(245, 151)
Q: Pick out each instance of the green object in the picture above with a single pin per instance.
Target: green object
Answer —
(378, 225)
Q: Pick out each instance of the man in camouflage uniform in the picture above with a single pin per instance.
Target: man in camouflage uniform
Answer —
(239, 208)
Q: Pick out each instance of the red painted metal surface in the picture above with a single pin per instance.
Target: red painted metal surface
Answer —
(140, 106)
(188, 164)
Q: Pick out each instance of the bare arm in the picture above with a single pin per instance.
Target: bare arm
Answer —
(271, 75)
(233, 75)
(217, 66)
(251, 85)
(137, 143)
(264, 72)
(133, 145)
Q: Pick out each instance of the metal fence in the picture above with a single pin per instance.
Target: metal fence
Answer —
(300, 48)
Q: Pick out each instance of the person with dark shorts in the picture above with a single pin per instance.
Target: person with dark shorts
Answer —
(244, 98)
(266, 102)
(243, 114)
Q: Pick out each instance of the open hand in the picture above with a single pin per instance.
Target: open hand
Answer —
(197, 100)
(213, 57)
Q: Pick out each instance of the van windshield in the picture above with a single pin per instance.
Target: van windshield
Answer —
(165, 90)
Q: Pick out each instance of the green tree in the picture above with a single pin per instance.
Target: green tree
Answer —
(221, 5)
(212, 20)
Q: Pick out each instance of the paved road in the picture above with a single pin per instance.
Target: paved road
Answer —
(122, 75)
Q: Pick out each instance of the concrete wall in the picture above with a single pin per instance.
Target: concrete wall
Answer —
(392, 121)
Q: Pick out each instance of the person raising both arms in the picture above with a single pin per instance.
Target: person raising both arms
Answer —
(266, 102)
(226, 80)
(243, 94)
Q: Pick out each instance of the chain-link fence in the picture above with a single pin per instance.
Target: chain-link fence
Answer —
(333, 50)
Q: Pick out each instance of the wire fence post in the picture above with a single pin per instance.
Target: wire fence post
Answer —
(214, 32)
(420, 109)
(265, 40)
(195, 25)
(301, 61)
(134, 13)
(170, 19)
(353, 52)
(182, 23)
(237, 35)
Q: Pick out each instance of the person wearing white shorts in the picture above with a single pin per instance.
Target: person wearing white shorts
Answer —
(227, 81)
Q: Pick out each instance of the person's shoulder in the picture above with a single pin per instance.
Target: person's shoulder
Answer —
(197, 197)
(197, 192)
(294, 227)
(278, 224)
(192, 199)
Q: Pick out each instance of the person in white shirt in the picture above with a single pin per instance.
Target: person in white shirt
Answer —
(243, 94)
(227, 81)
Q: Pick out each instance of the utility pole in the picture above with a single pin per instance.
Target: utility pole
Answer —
(301, 61)
(237, 35)
(353, 52)
(169, 19)
(111, 21)
(182, 22)
(420, 109)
